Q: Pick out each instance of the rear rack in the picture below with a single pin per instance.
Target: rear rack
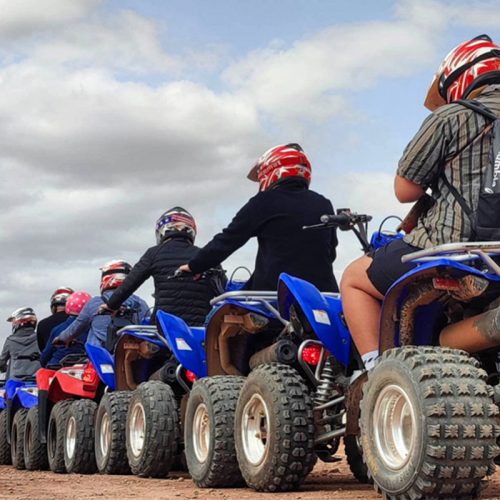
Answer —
(459, 252)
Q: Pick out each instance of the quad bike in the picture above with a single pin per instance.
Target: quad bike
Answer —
(153, 438)
(429, 415)
(278, 369)
(20, 396)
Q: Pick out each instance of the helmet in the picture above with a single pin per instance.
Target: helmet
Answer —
(22, 317)
(279, 163)
(467, 67)
(58, 298)
(174, 221)
(76, 301)
(113, 274)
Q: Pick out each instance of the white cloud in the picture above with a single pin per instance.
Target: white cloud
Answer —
(93, 149)
(24, 17)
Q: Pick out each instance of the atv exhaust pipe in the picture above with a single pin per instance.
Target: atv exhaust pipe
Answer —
(283, 351)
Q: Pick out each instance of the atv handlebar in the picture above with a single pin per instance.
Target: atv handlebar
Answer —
(345, 220)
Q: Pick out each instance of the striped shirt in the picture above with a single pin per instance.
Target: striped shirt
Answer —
(449, 140)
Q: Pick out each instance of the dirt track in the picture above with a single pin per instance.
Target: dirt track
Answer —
(326, 481)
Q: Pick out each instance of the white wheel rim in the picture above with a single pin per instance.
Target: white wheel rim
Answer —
(201, 432)
(137, 429)
(70, 437)
(255, 429)
(394, 427)
(105, 434)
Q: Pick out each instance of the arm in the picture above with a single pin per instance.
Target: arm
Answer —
(82, 323)
(422, 160)
(137, 276)
(240, 230)
(47, 352)
(5, 356)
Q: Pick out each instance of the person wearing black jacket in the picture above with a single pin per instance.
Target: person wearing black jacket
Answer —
(276, 216)
(58, 316)
(182, 296)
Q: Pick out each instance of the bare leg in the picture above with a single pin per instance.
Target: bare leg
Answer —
(361, 302)
(473, 334)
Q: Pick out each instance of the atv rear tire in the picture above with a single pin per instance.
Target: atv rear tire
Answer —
(35, 452)
(428, 424)
(17, 438)
(274, 429)
(110, 425)
(5, 458)
(209, 432)
(79, 456)
(355, 460)
(152, 432)
(55, 435)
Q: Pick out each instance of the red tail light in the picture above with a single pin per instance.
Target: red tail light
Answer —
(190, 376)
(89, 374)
(312, 354)
(446, 284)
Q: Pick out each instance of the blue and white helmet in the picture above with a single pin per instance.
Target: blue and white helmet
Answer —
(174, 221)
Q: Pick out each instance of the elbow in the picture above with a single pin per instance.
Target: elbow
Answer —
(407, 191)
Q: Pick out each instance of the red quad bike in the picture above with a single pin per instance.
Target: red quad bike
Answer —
(67, 406)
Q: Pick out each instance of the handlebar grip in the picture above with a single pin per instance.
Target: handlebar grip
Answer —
(340, 219)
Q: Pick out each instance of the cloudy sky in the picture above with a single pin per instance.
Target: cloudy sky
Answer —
(113, 111)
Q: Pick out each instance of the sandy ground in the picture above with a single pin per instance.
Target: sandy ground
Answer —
(326, 481)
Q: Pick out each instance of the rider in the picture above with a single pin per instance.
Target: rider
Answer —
(20, 354)
(52, 355)
(276, 216)
(449, 144)
(113, 275)
(58, 316)
(187, 298)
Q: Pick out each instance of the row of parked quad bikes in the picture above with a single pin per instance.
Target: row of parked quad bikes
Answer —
(267, 388)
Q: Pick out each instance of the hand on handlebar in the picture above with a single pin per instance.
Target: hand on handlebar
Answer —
(185, 269)
(59, 342)
(104, 309)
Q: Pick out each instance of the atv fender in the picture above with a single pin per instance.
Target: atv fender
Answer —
(103, 364)
(324, 314)
(186, 343)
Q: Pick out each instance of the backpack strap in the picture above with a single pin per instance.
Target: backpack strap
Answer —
(478, 107)
(488, 114)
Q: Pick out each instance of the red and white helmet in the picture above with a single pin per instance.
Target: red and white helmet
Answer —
(113, 274)
(76, 302)
(22, 317)
(176, 220)
(59, 297)
(279, 163)
(467, 67)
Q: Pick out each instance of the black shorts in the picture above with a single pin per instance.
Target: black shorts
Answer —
(387, 267)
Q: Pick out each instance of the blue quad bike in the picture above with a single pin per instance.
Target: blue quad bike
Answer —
(18, 397)
(154, 443)
(429, 416)
(275, 388)
(4, 445)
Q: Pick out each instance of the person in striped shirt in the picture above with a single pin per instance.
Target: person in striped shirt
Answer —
(450, 142)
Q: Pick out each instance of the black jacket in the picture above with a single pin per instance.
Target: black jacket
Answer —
(276, 218)
(45, 326)
(184, 297)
